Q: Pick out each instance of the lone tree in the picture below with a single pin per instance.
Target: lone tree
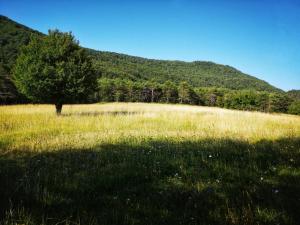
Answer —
(54, 69)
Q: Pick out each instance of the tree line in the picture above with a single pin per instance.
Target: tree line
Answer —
(54, 69)
(125, 90)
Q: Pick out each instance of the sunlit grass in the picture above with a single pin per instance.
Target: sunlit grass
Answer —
(148, 164)
(37, 128)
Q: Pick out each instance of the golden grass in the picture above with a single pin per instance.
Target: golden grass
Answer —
(37, 128)
(136, 161)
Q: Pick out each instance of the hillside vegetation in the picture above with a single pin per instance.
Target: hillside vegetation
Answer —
(12, 37)
(197, 74)
(294, 94)
(114, 65)
(133, 163)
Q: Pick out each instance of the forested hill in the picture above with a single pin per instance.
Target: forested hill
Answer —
(198, 74)
(294, 94)
(12, 36)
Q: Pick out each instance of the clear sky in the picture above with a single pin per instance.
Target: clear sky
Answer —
(259, 37)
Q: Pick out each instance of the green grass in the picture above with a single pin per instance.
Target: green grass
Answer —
(148, 164)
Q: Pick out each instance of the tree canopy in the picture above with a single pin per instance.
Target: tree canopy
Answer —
(54, 69)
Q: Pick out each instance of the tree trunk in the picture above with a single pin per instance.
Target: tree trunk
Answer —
(152, 94)
(58, 107)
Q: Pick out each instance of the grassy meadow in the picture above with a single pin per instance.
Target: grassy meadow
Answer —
(138, 163)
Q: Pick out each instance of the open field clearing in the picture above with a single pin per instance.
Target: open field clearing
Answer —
(135, 163)
(37, 128)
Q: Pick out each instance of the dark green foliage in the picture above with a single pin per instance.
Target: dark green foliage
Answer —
(121, 90)
(186, 94)
(54, 69)
(244, 99)
(279, 102)
(294, 94)
(169, 92)
(12, 36)
(197, 74)
(294, 107)
(247, 100)
(213, 181)
(8, 92)
(211, 96)
(106, 90)
(129, 91)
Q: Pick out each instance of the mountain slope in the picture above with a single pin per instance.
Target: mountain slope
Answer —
(12, 36)
(294, 94)
(199, 74)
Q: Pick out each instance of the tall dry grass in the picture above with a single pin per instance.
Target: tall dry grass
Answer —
(148, 164)
(37, 128)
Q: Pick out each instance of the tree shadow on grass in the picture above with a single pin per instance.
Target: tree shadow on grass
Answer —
(108, 113)
(159, 182)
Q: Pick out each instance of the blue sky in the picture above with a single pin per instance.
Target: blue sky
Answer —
(259, 37)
